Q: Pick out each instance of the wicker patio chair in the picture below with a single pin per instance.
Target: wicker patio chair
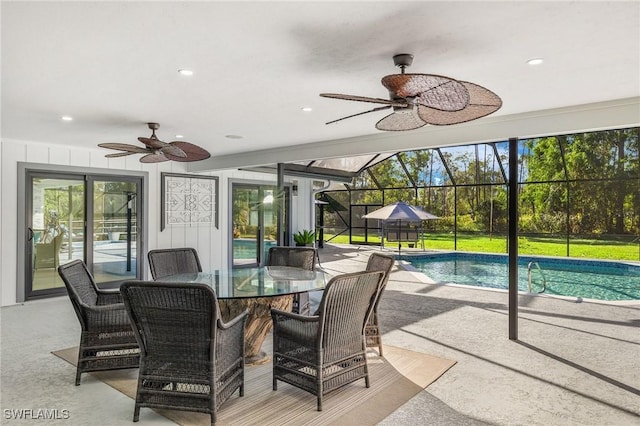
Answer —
(47, 255)
(320, 354)
(107, 340)
(377, 262)
(165, 262)
(190, 360)
(297, 257)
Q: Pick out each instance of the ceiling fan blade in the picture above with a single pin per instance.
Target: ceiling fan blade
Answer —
(396, 103)
(434, 91)
(173, 150)
(124, 147)
(479, 95)
(399, 121)
(120, 154)
(153, 158)
(193, 152)
(152, 142)
(360, 113)
(482, 102)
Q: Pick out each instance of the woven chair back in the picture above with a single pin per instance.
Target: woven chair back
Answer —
(174, 322)
(381, 262)
(165, 262)
(79, 283)
(296, 257)
(344, 310)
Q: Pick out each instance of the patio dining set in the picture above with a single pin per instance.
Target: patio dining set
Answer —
(191, 333)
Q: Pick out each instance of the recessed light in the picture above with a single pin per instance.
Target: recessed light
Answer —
(185, 72)
(307, 109)
(66, 118)
(179, 136)
(233, 136)
(535, 61)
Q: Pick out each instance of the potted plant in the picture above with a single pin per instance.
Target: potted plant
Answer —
(304, 238)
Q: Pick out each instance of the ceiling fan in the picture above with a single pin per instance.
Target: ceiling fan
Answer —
(420, 99)
(158, 151)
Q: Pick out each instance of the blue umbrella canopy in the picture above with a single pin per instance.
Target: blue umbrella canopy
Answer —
(400, 211)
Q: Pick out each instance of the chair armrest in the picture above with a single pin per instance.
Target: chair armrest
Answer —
(106, 317)
(231, 323)
(109, 297)
(278, 315)
(288, 326)
(230, 344)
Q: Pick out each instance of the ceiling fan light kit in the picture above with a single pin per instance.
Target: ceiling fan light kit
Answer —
(420, 99)
(157, 151)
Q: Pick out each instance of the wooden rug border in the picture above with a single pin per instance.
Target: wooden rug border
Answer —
(395, 379)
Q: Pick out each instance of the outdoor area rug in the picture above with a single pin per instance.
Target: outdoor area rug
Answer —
(395, 379)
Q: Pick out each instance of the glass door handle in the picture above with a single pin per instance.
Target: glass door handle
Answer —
(29, 234)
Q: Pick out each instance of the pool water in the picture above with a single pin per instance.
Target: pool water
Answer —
(246, 249)
(602, 280)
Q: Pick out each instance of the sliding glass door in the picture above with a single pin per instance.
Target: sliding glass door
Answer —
(88, 217)
(55, 230)
(254, 223)
(114, 225)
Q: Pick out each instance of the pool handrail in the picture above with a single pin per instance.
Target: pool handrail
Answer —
(544, 278)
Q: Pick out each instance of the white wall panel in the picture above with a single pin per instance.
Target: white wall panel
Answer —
(59, 155)
(12, 153)
(117, 163)
(37, 153)
(1, 222)
(99, 160)
(78, 157)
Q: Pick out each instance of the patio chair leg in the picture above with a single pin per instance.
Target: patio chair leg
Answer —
(78, 373)
(136, 413)
(366, 376)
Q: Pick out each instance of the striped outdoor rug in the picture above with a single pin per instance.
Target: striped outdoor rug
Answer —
(396, 378)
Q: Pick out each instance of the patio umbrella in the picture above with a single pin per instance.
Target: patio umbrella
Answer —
(399, 211)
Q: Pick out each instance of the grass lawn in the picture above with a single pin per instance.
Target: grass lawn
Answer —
(580, 248)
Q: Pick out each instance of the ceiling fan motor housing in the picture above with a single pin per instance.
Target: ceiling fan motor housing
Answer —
(408, 108)
(403, 60)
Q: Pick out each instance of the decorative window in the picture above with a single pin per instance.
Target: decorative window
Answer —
(188, 200)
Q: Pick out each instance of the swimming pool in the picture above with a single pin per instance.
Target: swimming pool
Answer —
(590, 279)
(246, 248)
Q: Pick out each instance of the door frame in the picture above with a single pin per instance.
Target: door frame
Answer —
(73, 171)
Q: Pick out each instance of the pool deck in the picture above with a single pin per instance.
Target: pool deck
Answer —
(574, 363)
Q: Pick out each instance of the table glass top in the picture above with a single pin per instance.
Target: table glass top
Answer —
(256, 282)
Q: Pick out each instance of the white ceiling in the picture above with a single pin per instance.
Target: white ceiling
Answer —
(113, 65)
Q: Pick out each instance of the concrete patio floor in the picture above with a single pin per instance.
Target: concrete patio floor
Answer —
(574, 363)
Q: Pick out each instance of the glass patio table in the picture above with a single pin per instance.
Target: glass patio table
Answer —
(257, 289)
